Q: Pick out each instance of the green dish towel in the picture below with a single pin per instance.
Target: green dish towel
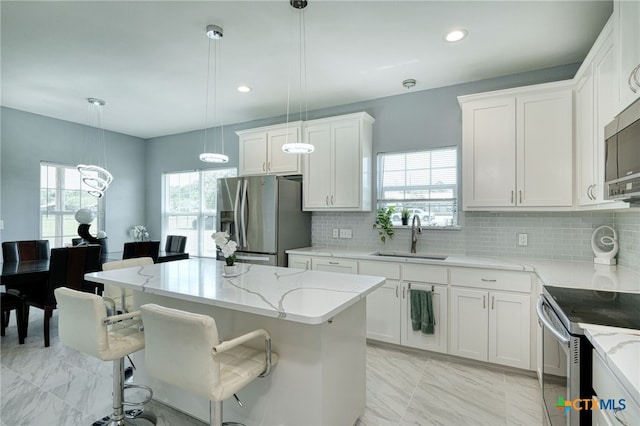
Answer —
(422, 317)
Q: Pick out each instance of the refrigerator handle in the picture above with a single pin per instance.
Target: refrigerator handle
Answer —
(235, 213)
(242, 213)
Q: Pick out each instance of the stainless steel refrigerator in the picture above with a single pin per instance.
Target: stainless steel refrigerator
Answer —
(263, 214)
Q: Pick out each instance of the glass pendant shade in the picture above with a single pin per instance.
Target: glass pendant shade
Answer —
(298, 148)
(212, 157)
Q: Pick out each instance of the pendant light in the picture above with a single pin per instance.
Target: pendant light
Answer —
(297, 147)
(214, 33)
(96, 176)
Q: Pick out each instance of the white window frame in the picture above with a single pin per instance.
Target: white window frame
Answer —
(201, 236)
(58, 211)
(433, 205)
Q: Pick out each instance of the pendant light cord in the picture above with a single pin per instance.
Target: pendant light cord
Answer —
(206, 99)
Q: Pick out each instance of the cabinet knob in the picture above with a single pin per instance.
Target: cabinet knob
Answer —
(512, 195)
(634, 74)
(520, 196)
(332, 200)
(484, 302)
(326, 201)
(264, 167)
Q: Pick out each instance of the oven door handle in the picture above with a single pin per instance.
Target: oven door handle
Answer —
(547, 324)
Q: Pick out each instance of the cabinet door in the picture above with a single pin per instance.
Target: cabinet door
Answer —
(585, 140)
(383, 313)
(346, 157)
(488, 153)
(253, 154)
(300, 262)
(509, 329)
(317, 168)
(333, 265)
(544, 146)
(469, 323)
(628, 19)
(436, 342)
(278, 161)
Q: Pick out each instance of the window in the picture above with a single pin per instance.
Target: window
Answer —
(423, 182)
(62, 194)
(190, 207)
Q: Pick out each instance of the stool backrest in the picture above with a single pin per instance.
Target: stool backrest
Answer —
(179, 349)
(141, 249)
(175, 243)
(115, 292)
(16, 251)
(127, 263)
(80, 317)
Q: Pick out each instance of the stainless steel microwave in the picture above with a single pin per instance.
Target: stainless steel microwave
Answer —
(622, 156)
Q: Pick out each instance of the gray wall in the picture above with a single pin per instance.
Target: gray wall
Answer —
(416, 120)
(28, 139)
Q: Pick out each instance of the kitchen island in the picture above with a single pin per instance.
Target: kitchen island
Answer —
(316, 320)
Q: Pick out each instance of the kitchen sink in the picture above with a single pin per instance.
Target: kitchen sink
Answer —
(412, 255)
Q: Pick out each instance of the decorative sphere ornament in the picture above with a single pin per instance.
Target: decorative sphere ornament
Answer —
(85, 216)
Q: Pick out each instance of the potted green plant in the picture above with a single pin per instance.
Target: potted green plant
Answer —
(383, 222)
(405, 216)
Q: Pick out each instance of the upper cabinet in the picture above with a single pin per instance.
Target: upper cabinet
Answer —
(595, 106)
(627, 18)
(517, 148)
(261, 150)
(337, 175)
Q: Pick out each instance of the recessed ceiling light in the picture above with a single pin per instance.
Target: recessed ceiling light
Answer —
(455, 35)
(244, 89)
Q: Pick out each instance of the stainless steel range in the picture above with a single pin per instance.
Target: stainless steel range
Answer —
(560, 310)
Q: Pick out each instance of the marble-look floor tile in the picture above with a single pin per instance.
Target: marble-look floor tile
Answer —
(60, 386)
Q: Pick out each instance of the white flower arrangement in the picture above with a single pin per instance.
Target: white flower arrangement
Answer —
(226, 245)
(139, 232)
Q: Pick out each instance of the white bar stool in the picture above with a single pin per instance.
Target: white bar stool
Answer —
(83, 325)
(183, 349)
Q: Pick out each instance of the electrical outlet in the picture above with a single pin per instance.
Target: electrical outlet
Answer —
(522, 239)
(335, 233)
(345, 233)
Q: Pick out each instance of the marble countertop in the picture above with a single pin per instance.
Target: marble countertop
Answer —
(621, 353)
(310, 297)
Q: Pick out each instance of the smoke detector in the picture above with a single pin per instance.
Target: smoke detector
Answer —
(409, 83)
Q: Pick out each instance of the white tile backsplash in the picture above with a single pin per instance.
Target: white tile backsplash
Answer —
(554, 236)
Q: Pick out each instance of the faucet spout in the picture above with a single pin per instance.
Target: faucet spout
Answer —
(415, 230)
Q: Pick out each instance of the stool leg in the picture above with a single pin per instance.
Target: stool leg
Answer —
(215, 413)
(117, 418)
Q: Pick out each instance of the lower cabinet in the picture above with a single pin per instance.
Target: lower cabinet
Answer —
(607, 387)
(491, 326)
(436, 342)
(383, 313)
(300, 262)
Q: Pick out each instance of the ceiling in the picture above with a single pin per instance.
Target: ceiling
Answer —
(148, 59)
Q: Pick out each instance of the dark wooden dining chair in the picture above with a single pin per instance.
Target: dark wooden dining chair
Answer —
(16, 251)
(8, 303)
(67, 267)
(141, 249)
(175, 244)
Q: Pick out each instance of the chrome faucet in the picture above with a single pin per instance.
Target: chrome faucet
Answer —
(415, 230)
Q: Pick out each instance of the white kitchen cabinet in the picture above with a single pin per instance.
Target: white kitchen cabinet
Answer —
(261, 152)
(517, 148)
(331, 264)
(488, 323)
(383, 304)
(627, 16)
(436, 342)
(337, 175)
(300, 262)
(607, 387)
(596, 103)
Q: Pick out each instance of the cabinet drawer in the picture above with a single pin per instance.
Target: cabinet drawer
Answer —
(335, 265)
(425, 273)
(491, 279)
(606, 387)
(381, 269)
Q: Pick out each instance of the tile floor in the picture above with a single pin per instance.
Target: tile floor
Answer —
(59, 386)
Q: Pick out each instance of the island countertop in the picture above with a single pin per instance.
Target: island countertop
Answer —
(304, 296)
